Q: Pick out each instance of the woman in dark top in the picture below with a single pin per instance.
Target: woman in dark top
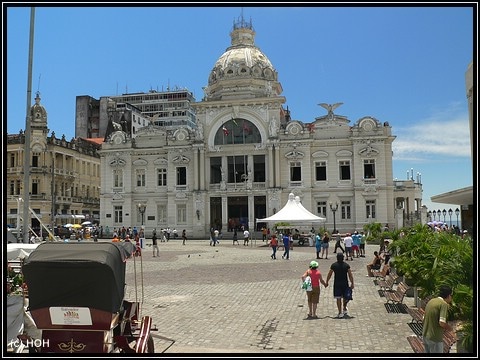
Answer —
(375, 264)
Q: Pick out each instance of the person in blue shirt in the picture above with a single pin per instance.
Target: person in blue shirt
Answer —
(286, 245)
(356, 244)
(318, 244)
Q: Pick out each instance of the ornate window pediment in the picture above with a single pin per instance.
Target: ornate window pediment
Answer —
(320, 154)
(118, 162)
(181, 159)
(344, 153)
(160, 161)
(140, 162)
(294, 154)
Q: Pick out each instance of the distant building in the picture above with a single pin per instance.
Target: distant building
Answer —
(235, 156)
(130, 112)
(64, 176)
(463, 198)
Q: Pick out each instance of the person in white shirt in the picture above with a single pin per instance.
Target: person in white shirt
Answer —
(348, 241)
(246, 236)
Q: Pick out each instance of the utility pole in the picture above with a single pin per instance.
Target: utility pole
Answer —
(26, 164)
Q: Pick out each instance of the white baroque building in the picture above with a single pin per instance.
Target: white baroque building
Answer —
(246, 155)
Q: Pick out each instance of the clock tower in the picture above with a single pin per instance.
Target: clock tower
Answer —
(38, 126)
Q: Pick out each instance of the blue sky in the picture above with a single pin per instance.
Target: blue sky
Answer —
(401, 64)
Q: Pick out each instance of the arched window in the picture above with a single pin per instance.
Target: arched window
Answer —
(237, 131)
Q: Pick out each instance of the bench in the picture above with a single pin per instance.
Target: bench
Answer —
(396, 297)
(416, 342)
(417, 312)
(388, 282)
(382, 273)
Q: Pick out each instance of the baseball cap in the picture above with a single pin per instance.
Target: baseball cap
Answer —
(313, 264)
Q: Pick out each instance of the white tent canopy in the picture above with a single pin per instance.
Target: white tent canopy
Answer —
(293, 211)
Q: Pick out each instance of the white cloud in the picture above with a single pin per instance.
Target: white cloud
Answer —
(445, 133)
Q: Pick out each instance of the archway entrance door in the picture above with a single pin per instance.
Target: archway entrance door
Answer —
(237, 212)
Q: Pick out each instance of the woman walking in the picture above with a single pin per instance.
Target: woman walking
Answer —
(313, 297)
(184, 236)
(274, 245)
(325, 244)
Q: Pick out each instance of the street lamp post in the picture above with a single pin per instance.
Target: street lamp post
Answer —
(434, 215)
(450, 212)
(141, 210)
(334, 209)
(444, 212)
(430, 215)
(457, 212)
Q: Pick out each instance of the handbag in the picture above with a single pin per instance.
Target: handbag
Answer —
(307, 284)
(348, 294)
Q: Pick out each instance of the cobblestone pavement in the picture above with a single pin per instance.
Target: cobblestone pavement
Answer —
(236, 299)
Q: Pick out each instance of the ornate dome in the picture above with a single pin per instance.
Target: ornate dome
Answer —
(37, 111)
(242, 61)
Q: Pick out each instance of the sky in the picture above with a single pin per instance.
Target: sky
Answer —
(399, 63)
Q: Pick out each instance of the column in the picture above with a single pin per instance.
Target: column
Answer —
(196, 182)
(271, 175)
(202, 168)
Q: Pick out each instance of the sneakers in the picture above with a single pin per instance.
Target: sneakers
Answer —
(340, 315)
(345, 312)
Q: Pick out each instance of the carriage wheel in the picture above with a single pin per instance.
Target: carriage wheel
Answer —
(150, 345)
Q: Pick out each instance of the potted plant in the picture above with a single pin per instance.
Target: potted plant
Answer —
(429, 259)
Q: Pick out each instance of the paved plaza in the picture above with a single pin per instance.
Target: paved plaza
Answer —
(236, 299)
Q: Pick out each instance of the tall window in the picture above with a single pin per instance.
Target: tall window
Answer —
(346, 210)
(35, 186)
(370, 209)
(237, 131)
(181, 213)
(369, 169)
(237, 166)
(35, 160)
(162, 214)
(181, 176)
(345, 170)
(215, 170)
(12, 160)
(118, 215)
(322, 208)
(118, 178)
(295, 171)
(320, 170)
(258, 168)
(140, 175)
(161, 177)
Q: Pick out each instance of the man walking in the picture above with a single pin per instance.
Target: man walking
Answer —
(435, 321)
(246, 237)
(340, 283)
(286, 246)
(156, 250)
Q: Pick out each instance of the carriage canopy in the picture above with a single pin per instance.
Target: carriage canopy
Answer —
(77, 275)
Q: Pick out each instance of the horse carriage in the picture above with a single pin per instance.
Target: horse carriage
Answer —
(76, 298)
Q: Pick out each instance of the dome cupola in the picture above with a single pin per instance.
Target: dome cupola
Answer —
(243, 70)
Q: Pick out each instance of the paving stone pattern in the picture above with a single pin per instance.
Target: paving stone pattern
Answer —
(236, 299)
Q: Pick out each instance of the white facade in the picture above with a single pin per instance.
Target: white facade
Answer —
(246, 155)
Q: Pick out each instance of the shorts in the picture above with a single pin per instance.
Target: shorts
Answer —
(314, 295)
(354, 247)
(339, 291)
(325, 245)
